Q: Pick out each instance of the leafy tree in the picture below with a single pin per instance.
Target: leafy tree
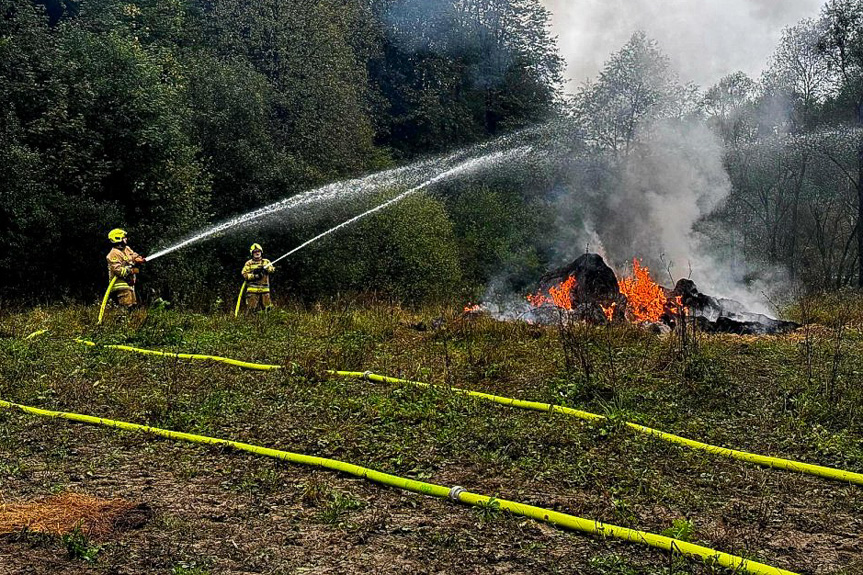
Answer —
(496, 236)
(730, 107)
(29, 226)
(161, 116)
(842, 43)
(408, 251)
(108, 128)
(799, 74)
(305, 51)
(793, 202)
(452, 72)
(635, 87)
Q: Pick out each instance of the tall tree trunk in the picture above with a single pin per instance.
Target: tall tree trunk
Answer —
(860, 197)
(860, 213)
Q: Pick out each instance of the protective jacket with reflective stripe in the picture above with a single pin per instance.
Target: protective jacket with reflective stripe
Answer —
(120, 263)
(257, 283)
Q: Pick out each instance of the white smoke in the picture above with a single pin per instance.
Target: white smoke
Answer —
(669, 182)
(705, 39)
(672, 180)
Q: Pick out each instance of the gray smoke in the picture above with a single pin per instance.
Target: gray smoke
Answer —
(705, 39)
(654, 203)
(651, 204)
(669, 182)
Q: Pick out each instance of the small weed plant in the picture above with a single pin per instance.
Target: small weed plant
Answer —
(79, 546)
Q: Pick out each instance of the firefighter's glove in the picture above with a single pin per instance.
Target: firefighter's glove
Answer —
(269, 269)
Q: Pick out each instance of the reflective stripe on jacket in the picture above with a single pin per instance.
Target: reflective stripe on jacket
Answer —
(119, 264)
(259, 284)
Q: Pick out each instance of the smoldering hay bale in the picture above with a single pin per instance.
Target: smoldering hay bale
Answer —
(722, 315)
(596, 287)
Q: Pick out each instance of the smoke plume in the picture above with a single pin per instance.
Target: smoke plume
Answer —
(705, 39)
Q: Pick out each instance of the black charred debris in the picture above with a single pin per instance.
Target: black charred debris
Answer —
(597, 289)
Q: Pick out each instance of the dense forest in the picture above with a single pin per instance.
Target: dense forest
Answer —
(164, 116)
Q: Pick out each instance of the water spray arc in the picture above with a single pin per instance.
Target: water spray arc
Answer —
(464, 167)
(412, 175)
(330, 191)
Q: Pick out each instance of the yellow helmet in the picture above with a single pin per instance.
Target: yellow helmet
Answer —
(256, 247)
(116, 235)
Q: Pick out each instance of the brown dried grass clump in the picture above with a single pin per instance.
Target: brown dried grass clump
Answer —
(61, 514)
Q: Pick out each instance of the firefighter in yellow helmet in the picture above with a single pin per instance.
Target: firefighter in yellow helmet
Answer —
(257, 272)
(123, 264)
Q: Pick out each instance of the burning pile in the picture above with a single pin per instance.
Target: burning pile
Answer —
(559, 296)
(646, 301)
(588, 289)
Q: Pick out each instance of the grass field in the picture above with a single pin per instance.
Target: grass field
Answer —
(214, 510)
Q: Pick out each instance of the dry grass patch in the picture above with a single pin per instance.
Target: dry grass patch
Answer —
(69, 512)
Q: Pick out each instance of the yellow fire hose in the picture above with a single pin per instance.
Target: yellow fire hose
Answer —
(240, 298)
(105, 299)
(459, 494)
(229, 361)
(767, 461)
(776, 462)
(36, 333)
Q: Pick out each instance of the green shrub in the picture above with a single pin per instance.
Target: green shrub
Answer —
(407, 251)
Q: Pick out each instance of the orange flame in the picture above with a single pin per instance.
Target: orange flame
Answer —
(473, 308)
(645, 298)
(560, 295)
(609, 311)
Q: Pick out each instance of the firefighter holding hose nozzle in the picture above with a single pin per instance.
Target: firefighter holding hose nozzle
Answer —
(123, 264)
(257, 272)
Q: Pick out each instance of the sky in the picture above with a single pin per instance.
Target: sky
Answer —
(705, 39)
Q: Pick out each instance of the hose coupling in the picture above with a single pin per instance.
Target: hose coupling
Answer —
(456, 492)
(366, 375)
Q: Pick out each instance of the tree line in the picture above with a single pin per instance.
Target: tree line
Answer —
(165, 116)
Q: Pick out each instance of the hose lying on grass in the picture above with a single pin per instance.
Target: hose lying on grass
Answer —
(229, 361)
(459, 494)
(775, 462)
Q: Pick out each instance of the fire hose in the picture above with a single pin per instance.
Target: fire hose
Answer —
(764, 460)
(198, 356)
(240, 298)
(105, 298)
(455, 493)
(775, 462)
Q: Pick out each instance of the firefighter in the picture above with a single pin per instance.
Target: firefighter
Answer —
(123, 264)
(257, 272)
